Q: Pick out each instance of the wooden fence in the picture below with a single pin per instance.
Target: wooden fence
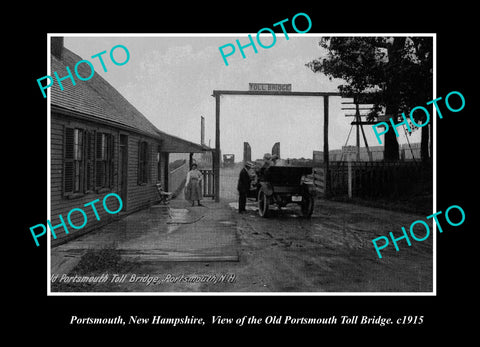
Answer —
(208, 183)
(379, 179)
(319, 180)
(177, 178)
(369, 180)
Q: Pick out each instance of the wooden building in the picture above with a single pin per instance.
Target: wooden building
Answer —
(101, 144)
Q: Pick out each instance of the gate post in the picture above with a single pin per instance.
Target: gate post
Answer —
(216, 157)
(247, 152)
(325, 145)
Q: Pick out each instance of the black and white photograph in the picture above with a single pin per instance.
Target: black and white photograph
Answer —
(300, 171)
(209, 163)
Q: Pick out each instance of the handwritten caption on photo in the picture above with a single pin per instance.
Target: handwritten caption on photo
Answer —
(146, 279)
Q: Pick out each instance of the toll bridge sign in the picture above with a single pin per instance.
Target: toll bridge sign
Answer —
(269, 87)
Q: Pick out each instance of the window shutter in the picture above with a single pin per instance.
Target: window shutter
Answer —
(159, 166)
(139, 166)
(69, 143)
(147, 163)
(89, 158)
(99, 163)
(68, 167)
(79, 160)
(110, 164)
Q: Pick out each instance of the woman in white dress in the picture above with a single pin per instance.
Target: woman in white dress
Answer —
(193, 187)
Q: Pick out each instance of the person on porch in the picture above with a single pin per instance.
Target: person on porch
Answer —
(193, 186)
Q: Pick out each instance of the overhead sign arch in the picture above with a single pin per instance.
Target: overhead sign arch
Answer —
(264, 89)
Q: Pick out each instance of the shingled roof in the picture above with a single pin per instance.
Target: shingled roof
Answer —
(97, 99)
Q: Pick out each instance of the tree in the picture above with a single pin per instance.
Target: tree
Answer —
(395, 74)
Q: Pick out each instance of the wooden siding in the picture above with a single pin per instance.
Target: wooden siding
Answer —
(138, 195)
(141, 195)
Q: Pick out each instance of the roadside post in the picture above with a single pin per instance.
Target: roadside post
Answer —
(349, 151)
(349, 178)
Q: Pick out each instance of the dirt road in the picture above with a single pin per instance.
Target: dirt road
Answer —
(330, 252)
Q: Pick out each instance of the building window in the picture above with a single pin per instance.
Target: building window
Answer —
(142, 162)
(104, 160)
(88, 161)
(73, 161)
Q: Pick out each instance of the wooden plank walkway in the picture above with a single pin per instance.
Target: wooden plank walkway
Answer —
(174, 232)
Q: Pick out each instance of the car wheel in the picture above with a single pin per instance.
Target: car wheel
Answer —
(263, 204)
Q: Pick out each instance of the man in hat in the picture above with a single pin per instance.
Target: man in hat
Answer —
(267, 162)
(243, 186)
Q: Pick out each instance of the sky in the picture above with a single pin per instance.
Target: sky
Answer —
(170, 79)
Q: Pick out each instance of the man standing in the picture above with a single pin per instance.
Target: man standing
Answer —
(243, 186)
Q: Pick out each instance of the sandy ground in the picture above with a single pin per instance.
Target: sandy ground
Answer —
(330, 252)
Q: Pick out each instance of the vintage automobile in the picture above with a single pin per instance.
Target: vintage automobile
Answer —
(282, 185)
(228, 160)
